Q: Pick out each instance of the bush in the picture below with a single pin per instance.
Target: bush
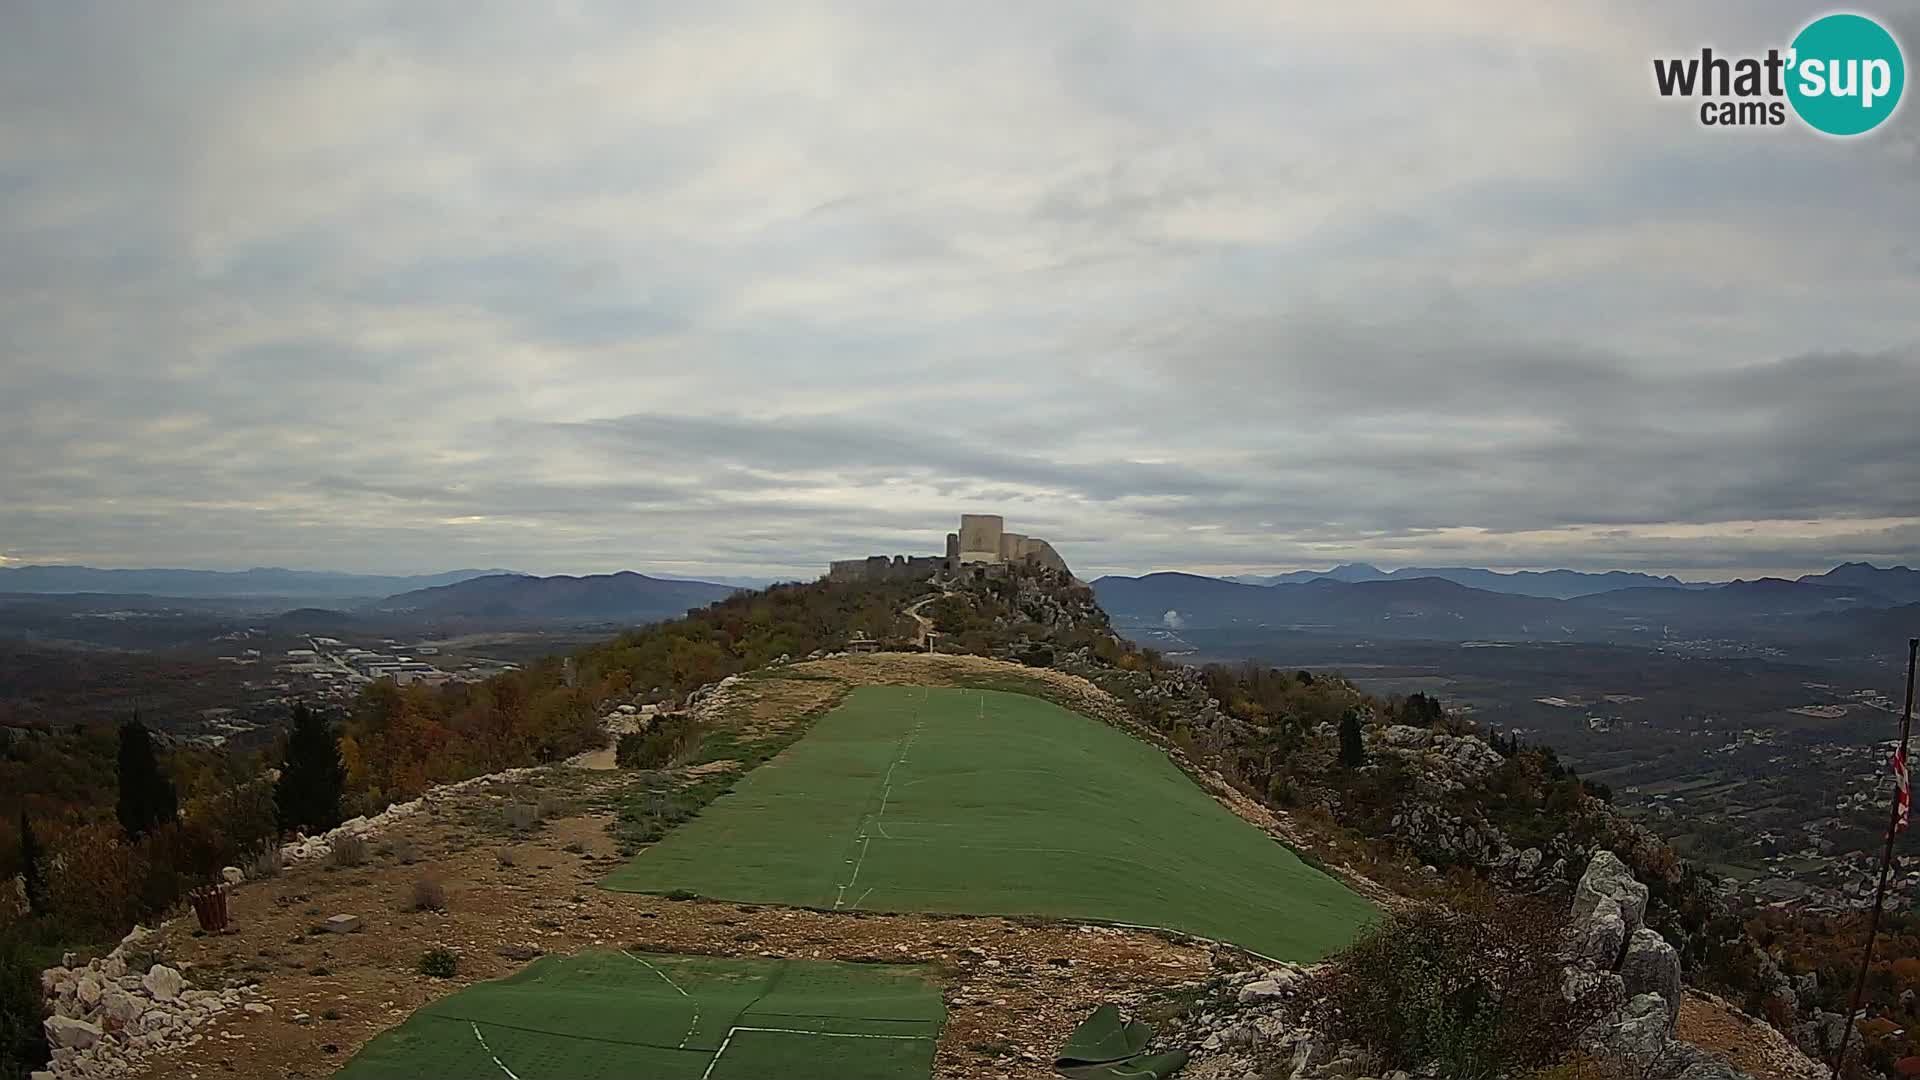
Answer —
(439, 962)
(1476, 987)
(406, 853)
(669, 740)
(348, 851)
(429, 895)
(94, 881)
(267, 864)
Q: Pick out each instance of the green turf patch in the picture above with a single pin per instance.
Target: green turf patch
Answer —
(607, 1015)
(979, 802)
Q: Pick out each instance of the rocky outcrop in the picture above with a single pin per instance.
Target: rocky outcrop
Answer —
(1613, 951)
(106, 1018)
(1607, 878)
(1651, 966)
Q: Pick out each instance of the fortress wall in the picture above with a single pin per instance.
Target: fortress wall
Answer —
(980, 537)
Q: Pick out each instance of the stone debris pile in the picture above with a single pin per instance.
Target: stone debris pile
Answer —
(107, 1018)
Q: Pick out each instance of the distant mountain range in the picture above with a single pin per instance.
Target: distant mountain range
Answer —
(1557, 584)
(1852, 599)
(259, 581)
(625, 595)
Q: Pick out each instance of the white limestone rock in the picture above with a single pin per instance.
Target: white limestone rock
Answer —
(163, 982)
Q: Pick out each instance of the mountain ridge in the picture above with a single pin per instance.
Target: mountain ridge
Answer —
(626, 594)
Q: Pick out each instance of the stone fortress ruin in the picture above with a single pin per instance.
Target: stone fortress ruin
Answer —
(983, 547)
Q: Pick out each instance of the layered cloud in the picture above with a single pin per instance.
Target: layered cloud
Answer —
(744, 287)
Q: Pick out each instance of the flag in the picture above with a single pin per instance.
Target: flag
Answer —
(1902, 790)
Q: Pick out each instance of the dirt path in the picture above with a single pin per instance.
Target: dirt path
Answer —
(924, 624)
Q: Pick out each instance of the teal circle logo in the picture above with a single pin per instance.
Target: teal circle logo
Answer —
(1846, 74)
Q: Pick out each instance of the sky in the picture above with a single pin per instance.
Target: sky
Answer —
(745, 287)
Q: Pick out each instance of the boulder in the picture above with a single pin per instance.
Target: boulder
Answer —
(1607, 878)
(1637, 1032)
(1527, 863)
(121, 1008)
(1579, 982)
(1651, 966)
(1601, 934)
(1261, 991)
(88, 990)
(232, 875)
(163, 982)
(343, 924)
(65, 1031)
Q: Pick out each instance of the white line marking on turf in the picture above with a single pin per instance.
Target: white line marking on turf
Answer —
(831, 1034)
(863, 897)
(490, 1053)
(724, 1043)
(886, 794)
(865, 842)
(688, 1037)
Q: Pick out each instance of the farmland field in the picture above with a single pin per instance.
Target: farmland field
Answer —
(981, 802)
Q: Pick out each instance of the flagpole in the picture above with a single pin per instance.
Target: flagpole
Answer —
(1886, 866)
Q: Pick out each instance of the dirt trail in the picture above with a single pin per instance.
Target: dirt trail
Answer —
(924, 625)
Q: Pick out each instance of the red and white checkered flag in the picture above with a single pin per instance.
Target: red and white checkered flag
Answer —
(1903, 790)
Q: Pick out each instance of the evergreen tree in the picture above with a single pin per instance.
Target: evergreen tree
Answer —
(30, 869)
(313, 778)
(1353, 752)
(147, 798)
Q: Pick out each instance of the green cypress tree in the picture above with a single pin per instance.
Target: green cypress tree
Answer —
(147, 798)
(30, 869)
(313, 778)
(1353, 751)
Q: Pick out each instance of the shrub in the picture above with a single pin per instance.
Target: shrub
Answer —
(429, 895)
(406, 853)
(267, 864)
(348, 850)
(522, 815)
(439, 962)
(94, 878)
(1476, 987)
(668, 741)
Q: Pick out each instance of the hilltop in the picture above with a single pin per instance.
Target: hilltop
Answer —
(1428, 815)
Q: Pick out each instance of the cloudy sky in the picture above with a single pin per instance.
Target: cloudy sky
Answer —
(742, 287)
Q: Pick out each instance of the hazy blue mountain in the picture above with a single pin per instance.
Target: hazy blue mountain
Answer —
(1557, 584)
(1735, 600)
(259, 581)
(1897, 583)
(1413, 607)
(625, 595)
(1437, 608)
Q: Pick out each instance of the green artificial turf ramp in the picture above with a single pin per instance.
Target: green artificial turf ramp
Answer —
(980, 802)
(608, 1015)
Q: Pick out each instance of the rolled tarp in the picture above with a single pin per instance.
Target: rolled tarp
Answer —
(1106, 1046)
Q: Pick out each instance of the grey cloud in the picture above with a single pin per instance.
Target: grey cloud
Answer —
(746, 287)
